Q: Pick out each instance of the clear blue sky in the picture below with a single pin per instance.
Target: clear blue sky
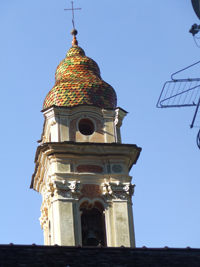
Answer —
(137, 45)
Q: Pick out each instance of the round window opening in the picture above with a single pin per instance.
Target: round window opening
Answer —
(86, 126)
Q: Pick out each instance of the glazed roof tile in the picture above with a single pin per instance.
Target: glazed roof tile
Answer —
(78, 82)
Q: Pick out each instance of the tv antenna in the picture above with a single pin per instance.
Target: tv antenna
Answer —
(184, 92)
(195, 28)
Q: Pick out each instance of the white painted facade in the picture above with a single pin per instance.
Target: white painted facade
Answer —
(77, 173)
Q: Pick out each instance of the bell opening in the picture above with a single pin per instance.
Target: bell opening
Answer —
(93, 227)
(91, 239)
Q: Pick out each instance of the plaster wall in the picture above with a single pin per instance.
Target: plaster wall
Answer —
(121, 224)
(54, 133)
(110, 225)
(63, 221)
(64, 129)
(109, 131)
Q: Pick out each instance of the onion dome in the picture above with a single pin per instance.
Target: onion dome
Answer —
(78, 82)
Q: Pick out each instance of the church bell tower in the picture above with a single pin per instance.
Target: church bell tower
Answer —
(81, 165)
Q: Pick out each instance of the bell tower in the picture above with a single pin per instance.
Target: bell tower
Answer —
(81, 166)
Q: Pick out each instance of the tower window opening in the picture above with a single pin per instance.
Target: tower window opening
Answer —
(86, 127)
(93, 227)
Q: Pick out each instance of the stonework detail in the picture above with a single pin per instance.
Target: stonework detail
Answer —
(90, 168)
(117, 168)
(57, 188)
(65, 194)
(91, 191)
(118, 190)
(46, 203)
(53, 122)
(72, 187)
(63, 167)
(44, 215)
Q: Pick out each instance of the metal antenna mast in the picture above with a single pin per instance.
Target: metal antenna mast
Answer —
(184, 92)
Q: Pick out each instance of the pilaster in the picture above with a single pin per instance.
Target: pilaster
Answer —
(119, 217)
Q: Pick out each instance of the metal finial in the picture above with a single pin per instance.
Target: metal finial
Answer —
(74, 32)
(74, 41)
(73, 23)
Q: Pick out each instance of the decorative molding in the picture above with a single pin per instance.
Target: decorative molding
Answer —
(117, 168)
(108, 113)
(117, 190)
(64, 189)
(57, 188)
(53, 122)
(88, 205)
(63, 167)
(75, 187)
(119, 116)
(120, 195)
(44, 215)
(90, 168)
(67, 189)
(47, 194)
(65, 194)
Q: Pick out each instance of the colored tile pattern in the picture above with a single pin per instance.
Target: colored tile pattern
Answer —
(90, 168)
(78, 82)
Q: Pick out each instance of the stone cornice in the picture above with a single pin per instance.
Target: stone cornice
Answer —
(84, 148)
(111, 150)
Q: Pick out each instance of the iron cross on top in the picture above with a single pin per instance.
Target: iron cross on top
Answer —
(73, 13)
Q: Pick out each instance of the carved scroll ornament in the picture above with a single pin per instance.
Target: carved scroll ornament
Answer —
(118, 190)
(44, 215)
(56, 188)
(63, 188)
